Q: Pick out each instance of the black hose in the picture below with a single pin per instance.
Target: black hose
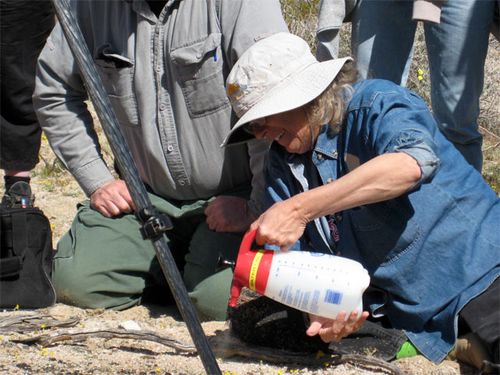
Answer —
(130, 174)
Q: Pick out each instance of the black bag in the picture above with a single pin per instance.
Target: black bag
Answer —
(26, 256)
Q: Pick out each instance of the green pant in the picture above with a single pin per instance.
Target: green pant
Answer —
(104, 262)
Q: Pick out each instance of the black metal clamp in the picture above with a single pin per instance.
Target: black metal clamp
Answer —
(154, 223)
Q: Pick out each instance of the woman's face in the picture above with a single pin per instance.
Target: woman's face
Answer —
(290, 129)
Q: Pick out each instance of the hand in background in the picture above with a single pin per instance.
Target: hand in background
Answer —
(335, 329)
(228, 214)
(112, 199)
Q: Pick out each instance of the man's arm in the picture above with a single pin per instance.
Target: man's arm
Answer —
(59, 100)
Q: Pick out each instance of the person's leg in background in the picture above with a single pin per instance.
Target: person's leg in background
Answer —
(382, 39)
(457, 49)
(24, 28)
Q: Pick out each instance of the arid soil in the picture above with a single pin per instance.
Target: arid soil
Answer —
(95, 355)
(57, 195)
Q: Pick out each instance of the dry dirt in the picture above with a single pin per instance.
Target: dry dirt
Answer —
(128, 356)
(57, 195)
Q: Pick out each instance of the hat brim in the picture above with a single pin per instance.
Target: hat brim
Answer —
(291, 94)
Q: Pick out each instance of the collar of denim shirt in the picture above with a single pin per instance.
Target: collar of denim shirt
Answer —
(326, 144)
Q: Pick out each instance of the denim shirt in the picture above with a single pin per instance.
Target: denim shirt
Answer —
(429, 251)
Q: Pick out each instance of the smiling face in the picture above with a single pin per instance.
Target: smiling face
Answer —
(290, 129)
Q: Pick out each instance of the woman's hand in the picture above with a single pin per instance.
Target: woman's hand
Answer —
(112, 199)
(281, 225)
(228, 214)
(335, 329)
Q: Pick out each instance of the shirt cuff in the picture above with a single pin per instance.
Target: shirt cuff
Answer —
(426, 160)
(427, 11)
(92, 176)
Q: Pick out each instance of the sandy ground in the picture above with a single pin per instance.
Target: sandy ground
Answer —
(57, 195)
(131, 356)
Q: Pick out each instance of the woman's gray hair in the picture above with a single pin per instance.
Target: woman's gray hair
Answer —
(329, 107)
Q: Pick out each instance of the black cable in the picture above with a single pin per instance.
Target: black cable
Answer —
(127, 167)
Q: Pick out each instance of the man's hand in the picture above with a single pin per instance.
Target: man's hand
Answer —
(334, 330)
(228, 214)
(112, 199)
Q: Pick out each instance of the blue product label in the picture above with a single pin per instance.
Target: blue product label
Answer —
(333, 297)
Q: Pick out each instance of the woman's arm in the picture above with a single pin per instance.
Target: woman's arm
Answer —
(384, 177)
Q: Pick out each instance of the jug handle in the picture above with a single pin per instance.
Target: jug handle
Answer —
(247, 241)
(245, 246)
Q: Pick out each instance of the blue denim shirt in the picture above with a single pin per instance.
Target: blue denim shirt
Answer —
(429, 251)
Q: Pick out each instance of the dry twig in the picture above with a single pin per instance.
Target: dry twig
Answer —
(33, 322)
(48, 340)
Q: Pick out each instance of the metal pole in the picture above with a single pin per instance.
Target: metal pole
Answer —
(143, 205)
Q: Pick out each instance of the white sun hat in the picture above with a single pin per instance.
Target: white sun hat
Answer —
(275, 75)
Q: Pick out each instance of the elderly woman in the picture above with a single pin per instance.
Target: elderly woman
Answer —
(361, 170)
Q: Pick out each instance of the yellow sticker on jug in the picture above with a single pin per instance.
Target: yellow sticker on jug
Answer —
(253, 270)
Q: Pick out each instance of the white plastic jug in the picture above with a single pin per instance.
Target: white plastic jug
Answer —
(320, 284)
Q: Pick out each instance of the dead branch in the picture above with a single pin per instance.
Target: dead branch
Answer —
(48, 340)
(226, 345)
(33, 322)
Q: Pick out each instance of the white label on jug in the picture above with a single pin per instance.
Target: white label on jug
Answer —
(322, 285)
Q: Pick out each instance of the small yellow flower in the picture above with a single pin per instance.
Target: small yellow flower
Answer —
(158, 370)
(17, 307)
(420, 72)
(44, 352)
(420, 78)
(43, 326)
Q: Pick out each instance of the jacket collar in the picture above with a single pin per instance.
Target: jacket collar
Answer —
(326, 144)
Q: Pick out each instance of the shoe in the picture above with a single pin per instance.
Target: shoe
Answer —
(469, 349)
(18, 196)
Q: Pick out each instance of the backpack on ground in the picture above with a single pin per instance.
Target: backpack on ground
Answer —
(26, 256)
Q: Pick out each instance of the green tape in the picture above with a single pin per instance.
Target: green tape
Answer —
(407, 350)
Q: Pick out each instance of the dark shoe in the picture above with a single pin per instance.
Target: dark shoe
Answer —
(18, 196)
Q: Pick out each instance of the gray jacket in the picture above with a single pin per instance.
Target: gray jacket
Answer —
(165, 79)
